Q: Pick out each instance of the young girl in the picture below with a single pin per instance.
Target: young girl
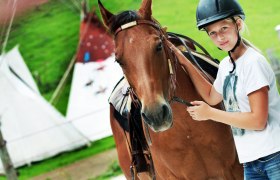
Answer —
(246, 84)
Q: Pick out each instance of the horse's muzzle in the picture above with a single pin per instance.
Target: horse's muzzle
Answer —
(158, 117)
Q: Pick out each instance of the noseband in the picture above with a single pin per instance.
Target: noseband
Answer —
(172, 59)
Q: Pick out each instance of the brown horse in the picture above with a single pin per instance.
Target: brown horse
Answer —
(181, 147)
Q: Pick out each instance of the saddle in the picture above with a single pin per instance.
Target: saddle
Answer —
(128, 114)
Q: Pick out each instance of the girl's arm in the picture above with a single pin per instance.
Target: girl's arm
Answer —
(204, 88)
(256, 119)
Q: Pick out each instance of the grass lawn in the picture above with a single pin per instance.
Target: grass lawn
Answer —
(48, 38)
(26, 172)
(113, 171)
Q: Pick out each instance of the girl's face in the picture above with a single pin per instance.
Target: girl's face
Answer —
(224, 33)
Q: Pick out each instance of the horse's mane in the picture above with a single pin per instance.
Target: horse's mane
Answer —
(123, 18)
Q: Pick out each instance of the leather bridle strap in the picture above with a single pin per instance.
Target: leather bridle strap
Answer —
(147, 22)
(135, 23)
(156, 26)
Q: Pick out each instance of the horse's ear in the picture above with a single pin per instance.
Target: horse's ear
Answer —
(164, 29)
(106, 15)
(146, 9)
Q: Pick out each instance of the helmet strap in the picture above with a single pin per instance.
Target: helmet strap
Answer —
(232, 61)
(237, 43)
(233, 49)
(235, 46)
(238, 34)
(238, 40)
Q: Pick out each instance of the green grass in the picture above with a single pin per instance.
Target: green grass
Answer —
(48, 38)
(113, 170)
(64, 159)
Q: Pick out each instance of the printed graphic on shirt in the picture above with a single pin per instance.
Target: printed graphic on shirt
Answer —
(230, 100)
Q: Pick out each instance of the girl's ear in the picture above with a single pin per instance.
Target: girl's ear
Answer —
(239, 23)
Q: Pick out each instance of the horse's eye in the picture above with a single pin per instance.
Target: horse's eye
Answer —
(159, 47)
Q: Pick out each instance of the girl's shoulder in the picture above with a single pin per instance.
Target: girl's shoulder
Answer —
(254, 53)
(251, 57)
(256, 61)
(254, 57)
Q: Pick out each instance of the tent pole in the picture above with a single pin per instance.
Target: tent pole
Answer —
(62, 82)
(9, 169)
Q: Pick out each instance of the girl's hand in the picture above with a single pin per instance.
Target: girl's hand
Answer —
(200, 111)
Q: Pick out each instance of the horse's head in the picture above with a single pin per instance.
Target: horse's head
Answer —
(143, 56)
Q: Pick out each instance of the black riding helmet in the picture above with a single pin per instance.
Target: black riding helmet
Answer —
(210, 11)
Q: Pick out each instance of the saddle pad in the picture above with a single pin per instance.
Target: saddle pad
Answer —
(120, 97)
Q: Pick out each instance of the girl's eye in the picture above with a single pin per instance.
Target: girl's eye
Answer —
(212, 34)
(224, 28)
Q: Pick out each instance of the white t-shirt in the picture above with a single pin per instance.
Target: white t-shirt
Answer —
(252, 73)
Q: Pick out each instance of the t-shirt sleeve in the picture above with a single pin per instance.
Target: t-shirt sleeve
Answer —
(218, 84)
(256, 76)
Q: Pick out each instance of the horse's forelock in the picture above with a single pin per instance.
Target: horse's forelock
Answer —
(123, 18)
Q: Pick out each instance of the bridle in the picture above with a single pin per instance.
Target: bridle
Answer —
(172, 65)
(172, 59)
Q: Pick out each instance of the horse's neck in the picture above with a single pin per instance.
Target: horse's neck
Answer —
(185, 87)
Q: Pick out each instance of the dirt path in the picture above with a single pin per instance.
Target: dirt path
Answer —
(83, 169)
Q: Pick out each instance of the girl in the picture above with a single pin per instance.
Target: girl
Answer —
(246, 84)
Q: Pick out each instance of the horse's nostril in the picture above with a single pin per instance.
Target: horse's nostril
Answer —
(158, 118)
(165, 111)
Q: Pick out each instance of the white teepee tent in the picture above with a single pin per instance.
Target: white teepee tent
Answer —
(88, 107)
(33, 129)
(95, 75)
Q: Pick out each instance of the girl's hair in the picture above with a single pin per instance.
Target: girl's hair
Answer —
(248, 43)
(244, 28)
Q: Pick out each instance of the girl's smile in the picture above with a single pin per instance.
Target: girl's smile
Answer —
(224, 44)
